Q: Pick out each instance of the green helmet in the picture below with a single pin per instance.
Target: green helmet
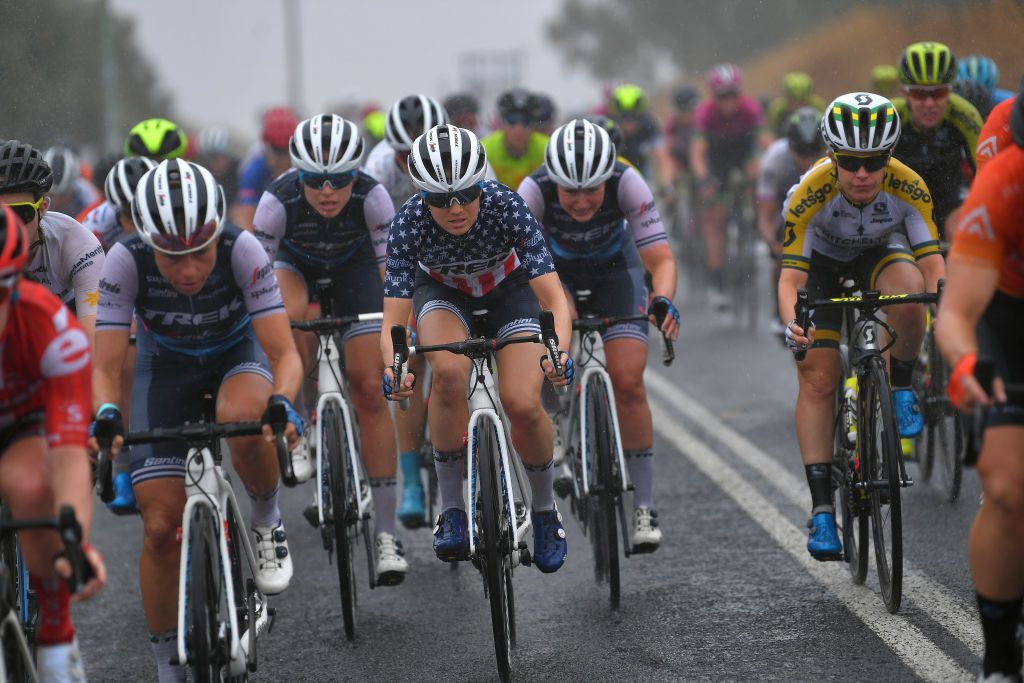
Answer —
(157, 139)
(797, 86)
(884, 75)
(927, 63)
(627, 99)
(374, 123)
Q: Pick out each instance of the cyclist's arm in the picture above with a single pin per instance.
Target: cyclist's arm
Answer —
(268, 223)
(933, 268)
(118, 290)
(243, 215)
(699, 158)
(378, 210)
(767, 220)
(969, 288)
(82, 256)
(790, 280)
(548, 290)
(659, 261)
(529, 190)
(274, 334)
(665, 165)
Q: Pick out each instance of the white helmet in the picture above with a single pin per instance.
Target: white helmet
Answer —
(123, 178)
(64, 164)
(861, 122)
(580, 155)
(178, 207)
(326, 143)
(213, 140)
(409, 117)
(447, 159)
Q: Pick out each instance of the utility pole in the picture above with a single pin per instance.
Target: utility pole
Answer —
(111, 114)
(293, 54)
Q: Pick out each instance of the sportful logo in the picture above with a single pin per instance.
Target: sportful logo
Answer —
(977, 223)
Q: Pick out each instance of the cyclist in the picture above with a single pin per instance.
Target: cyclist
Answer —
(463, 244)
(211, 320)
(463, 111)
(545, 114)
(842, 221)
(387, 163)
(65, 257)
(44, 408)
(995, 134)
(214, 153)
(157, 139)
(269, 160)
(643, 143)
(985, 291)
(680, 127)
(797, 92)
(975, 93)
(729, 132)
(515, 149)
(941, 128)
(786, 160)
(984, 71)
(327, 219)
(70, 194)
(885, 80)
(582, 197)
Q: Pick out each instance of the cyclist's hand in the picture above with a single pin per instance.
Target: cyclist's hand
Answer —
(99, 572)
(568, 370)
(797, 339)
(293, 428)
(670, 325)
(393, 393)
(776, 248)
(107, 426)
(965, 391)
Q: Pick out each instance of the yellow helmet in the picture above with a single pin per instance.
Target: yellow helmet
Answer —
(797, 86)
(927, 63)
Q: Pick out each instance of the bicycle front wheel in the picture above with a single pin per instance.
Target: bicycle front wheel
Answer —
(496, 565)
(853, 512)
(880, 454)
(945, 440)
(15, 660)
(604, 487)
(204, 598)
(343, 510)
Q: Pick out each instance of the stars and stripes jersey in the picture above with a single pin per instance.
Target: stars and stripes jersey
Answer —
(628, 201)
(46, 366)
(991, 228)
(504, 238)
(67, 260)
(995, 134)
(818, 218)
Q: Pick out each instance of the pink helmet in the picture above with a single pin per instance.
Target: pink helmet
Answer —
(278, 125)
(724, 79)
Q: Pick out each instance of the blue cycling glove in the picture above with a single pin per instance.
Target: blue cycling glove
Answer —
(293, 415)
(669, 307)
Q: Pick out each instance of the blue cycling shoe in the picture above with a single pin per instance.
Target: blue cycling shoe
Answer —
(908, 413)
(124, 495)
(549, 546)
(451, 536)
(823, 544)
(411, 511)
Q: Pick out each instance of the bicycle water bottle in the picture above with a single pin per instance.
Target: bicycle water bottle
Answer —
(850, 391)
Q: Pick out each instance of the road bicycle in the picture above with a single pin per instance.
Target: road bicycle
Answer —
(867, 465)
(497, 488)
(19, 614)
(741, 262)
(597, 476)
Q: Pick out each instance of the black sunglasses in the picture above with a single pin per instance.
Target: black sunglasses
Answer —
(851, 163)
(317, 181)
(444, 200)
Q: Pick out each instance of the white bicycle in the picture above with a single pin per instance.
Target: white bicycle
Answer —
(496, 485)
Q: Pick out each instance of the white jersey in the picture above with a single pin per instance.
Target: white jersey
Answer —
(778, 173)
(102, 222)
(67, 260)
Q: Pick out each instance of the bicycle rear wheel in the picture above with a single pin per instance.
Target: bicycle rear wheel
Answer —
(880, 454)
(15, 664)
(204, 598)
(496, 565)
(242, 602)
(604, 505)
(945, 433)
(853, 513)
(342, 509)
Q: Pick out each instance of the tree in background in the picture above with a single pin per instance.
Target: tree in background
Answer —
(51, 63)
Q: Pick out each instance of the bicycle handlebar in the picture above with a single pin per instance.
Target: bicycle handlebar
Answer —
(668, 352)
(328, 325)
(195, 433)
(66, 524)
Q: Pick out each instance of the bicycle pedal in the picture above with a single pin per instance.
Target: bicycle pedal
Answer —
(312, 515)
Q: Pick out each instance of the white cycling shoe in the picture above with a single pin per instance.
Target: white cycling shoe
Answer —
(391, 564)
(302, 461)
(646, 534)
(273, 561)
(60, 663)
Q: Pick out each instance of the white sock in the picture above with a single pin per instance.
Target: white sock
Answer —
(165, 646)
(542, 485)
(450, 467)
(640, 463)
(385, 501)
(263, 509)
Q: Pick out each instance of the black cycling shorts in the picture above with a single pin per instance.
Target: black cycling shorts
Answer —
(1001, 338)
(511, 306)
(33, 424)
(616, 287)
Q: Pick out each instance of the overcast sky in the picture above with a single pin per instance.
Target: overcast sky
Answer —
(224, 60)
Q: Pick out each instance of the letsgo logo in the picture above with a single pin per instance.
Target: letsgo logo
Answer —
(812, 197)
(913, 190)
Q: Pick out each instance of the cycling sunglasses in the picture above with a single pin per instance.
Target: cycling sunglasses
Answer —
(852, 163)
(939, 92)
(318, 181)
(518, 120)
(174, 245)
(27, 211)
(444, 200)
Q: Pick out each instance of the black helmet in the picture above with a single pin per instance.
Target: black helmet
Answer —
(803, 130)
(461, 104)
(975, 93)
(23, 169)
(1017, 121)
(544, 109)
(613, 129)
(686, 97)
(517, 102)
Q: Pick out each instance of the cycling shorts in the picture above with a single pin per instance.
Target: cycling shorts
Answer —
(1001, 338)
(356, 288)
(511, 306)
(824, 281)
(616, 287)
(33, 424)
(167, 392)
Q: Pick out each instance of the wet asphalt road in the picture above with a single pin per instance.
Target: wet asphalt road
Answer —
(730, 596)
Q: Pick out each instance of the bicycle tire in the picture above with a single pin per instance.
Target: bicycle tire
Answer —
(344, 510)
(882, 445)
(14, 661)
(945, 431)
(606, 514)
(853, 517)
(496, 565)
(243, 611)
(204, 598)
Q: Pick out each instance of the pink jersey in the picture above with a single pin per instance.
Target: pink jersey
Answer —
(709, 121)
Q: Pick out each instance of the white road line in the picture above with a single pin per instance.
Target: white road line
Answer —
(906, 640)
(934, 599)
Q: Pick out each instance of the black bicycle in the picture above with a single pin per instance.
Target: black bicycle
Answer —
(867, 465)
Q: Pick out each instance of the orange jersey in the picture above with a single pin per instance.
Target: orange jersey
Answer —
(995, 134)
(991, 229)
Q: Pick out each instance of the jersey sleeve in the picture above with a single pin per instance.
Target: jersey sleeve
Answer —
(804, 201)
(82, 256)
(251, 181)
(768, 175)
(968, 121)
(637, 203)
(403, 250)
(995, 134)
(990, 213)
(254, 275)
(378, 210)
(531, 195)
(119, 287)
(912, 193)
(65, 365)
(530, 245)
(269, 224)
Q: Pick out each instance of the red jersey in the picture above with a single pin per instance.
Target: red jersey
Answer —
(995, 135)
(45, 366)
